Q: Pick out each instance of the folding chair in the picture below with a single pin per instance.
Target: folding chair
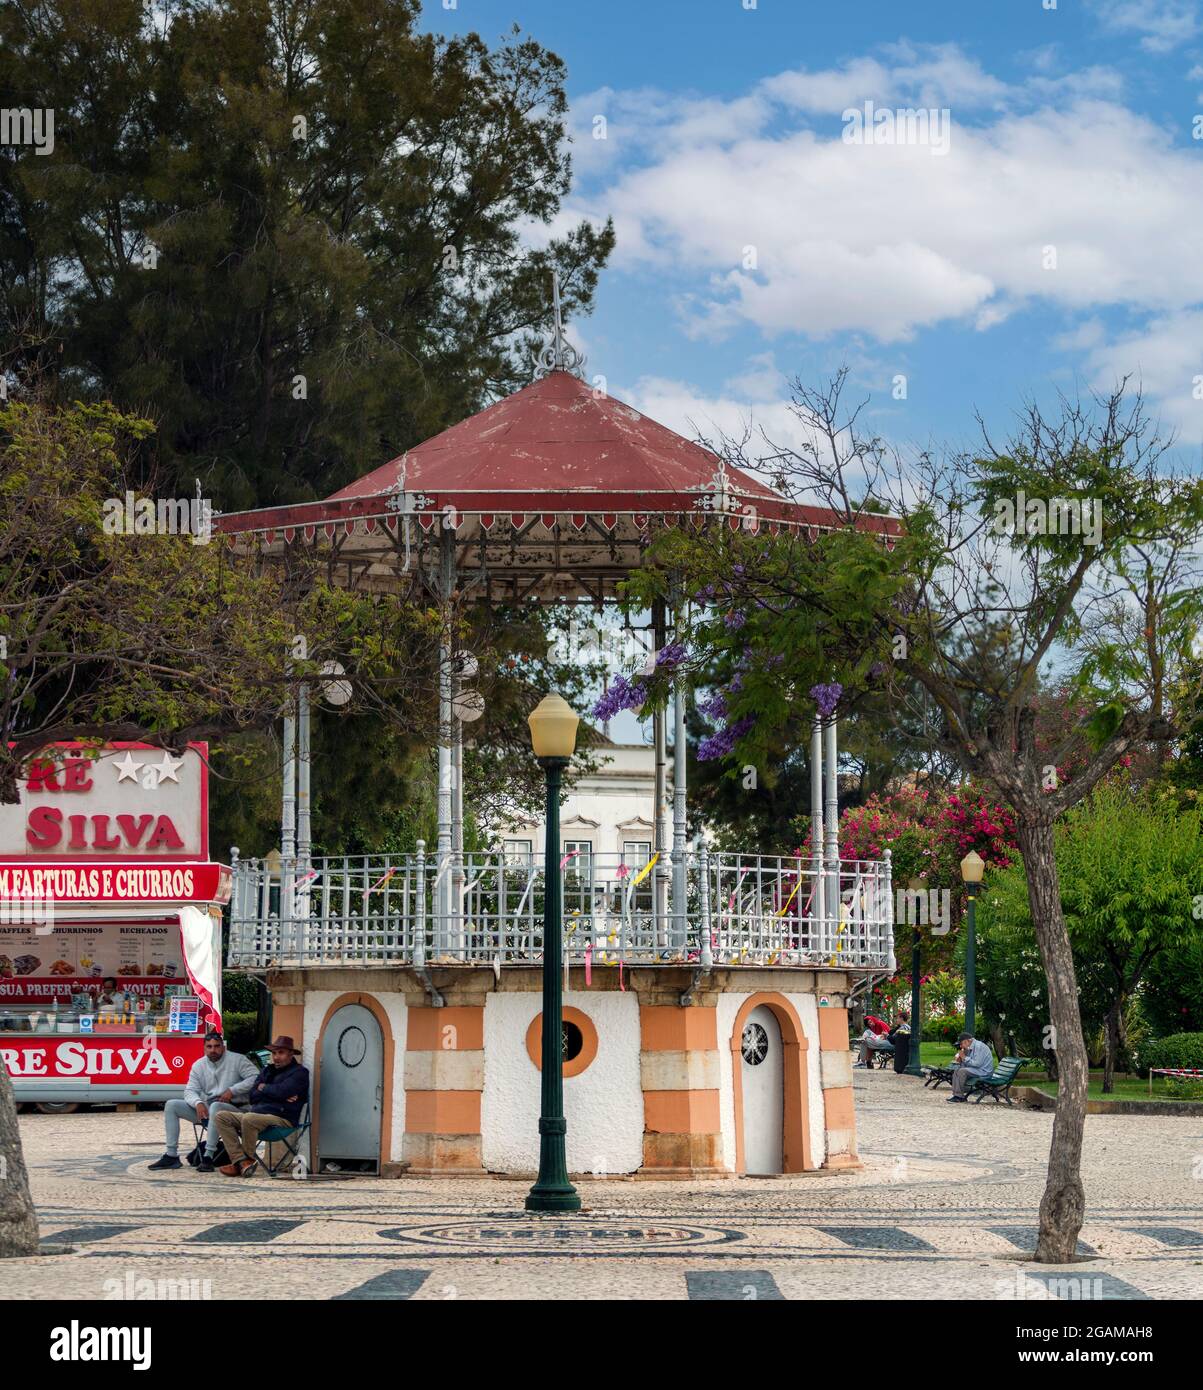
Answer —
(200, 1134)
(292, 1137)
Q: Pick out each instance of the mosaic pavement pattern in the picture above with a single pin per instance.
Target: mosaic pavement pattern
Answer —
(946, 1208)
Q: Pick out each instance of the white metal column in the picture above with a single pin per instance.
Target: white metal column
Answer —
(443, 855)
(680, 843)
(304, 835)
(831, 831)
(288, 807)
(819, 928)
(660, 873)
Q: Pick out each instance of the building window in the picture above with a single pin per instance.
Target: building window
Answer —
(580, 859)
(518, 853)
(578, 1039)
(636, 853)
(574, 1040)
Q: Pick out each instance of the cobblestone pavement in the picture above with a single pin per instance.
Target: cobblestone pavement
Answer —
(945, 1207)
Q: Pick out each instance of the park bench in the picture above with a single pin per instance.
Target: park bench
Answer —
(998, 1083)
(932, 1076)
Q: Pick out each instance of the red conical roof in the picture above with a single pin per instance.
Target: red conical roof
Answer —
(555, 490)
(557, 435)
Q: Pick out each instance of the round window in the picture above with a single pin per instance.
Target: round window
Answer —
(574, 1040)
(755, 1044)
(578, 1041)
(352, 1046)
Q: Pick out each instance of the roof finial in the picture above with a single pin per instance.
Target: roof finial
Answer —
(559, 355)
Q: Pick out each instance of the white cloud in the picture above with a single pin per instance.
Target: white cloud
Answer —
(891, 238)
(882, 241)
(931, 75)
(1165, 359)
(1162, 24)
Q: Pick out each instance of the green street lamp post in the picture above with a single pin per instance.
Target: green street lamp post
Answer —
(973, 866)
(553, 735)
(912, 1062)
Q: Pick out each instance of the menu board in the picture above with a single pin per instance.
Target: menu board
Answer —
(142, 955)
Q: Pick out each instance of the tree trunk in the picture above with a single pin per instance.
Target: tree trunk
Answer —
(1063, 1206)
(18, 1223)
(1113, 1042)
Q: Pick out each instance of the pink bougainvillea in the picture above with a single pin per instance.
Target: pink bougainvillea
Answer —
(929, 832)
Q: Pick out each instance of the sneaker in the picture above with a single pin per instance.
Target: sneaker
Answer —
(954, 1100)
(167, 1161)
(206, 1165)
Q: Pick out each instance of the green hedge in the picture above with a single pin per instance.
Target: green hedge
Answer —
(240, 1030)
(1178, 1050)
(943, 1028)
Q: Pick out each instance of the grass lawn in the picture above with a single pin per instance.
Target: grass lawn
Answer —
(1126, 1088)
(940, 1054)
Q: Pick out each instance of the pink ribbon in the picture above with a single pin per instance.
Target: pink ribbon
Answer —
(588, 963)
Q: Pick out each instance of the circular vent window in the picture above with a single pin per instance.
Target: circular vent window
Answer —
(578, 1041)
(755, 1044)
(352, 1046)
(574, 1040)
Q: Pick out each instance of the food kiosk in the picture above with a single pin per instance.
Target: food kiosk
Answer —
(110, 925)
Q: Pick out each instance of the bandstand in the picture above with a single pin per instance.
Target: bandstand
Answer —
(705, 1002)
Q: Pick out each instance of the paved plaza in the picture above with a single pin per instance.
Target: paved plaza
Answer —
(945, 1208)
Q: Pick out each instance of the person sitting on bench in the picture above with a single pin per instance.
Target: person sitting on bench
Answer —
(874, 1039)
(973, 1061)
(218, 1081)
(278, 1096)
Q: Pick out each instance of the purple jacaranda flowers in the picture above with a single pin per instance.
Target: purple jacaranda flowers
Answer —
(827, 697)
(622, 694)
(715, 707)
(723, 743)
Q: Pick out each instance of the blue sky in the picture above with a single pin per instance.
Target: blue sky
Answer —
(1071, 128)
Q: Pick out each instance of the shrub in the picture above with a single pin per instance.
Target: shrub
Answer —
(240, 1030)
(944, 1028)
(1178, 1050)
(239, 993)
(1172, 998)
(1180, 1090)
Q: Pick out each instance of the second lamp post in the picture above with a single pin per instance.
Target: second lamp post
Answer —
(553, 736)
(973, 866)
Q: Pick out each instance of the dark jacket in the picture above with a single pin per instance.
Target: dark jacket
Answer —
(269, 1094)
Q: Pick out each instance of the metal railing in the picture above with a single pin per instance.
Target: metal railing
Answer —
(487, 910)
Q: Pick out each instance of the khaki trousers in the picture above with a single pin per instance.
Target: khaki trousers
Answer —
(240, 1131)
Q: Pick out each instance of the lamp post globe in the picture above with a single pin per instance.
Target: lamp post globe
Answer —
(553, 726)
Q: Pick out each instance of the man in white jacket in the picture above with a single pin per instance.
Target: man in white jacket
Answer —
(219, 1081)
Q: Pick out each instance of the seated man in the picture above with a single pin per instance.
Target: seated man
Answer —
(974, 1059)
(902, 1049)
(872, 1041)
(278, 1096)
(218, 1081)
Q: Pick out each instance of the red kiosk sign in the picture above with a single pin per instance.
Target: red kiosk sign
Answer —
(101, 860)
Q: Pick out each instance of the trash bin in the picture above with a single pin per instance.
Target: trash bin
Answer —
(902, 1051)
